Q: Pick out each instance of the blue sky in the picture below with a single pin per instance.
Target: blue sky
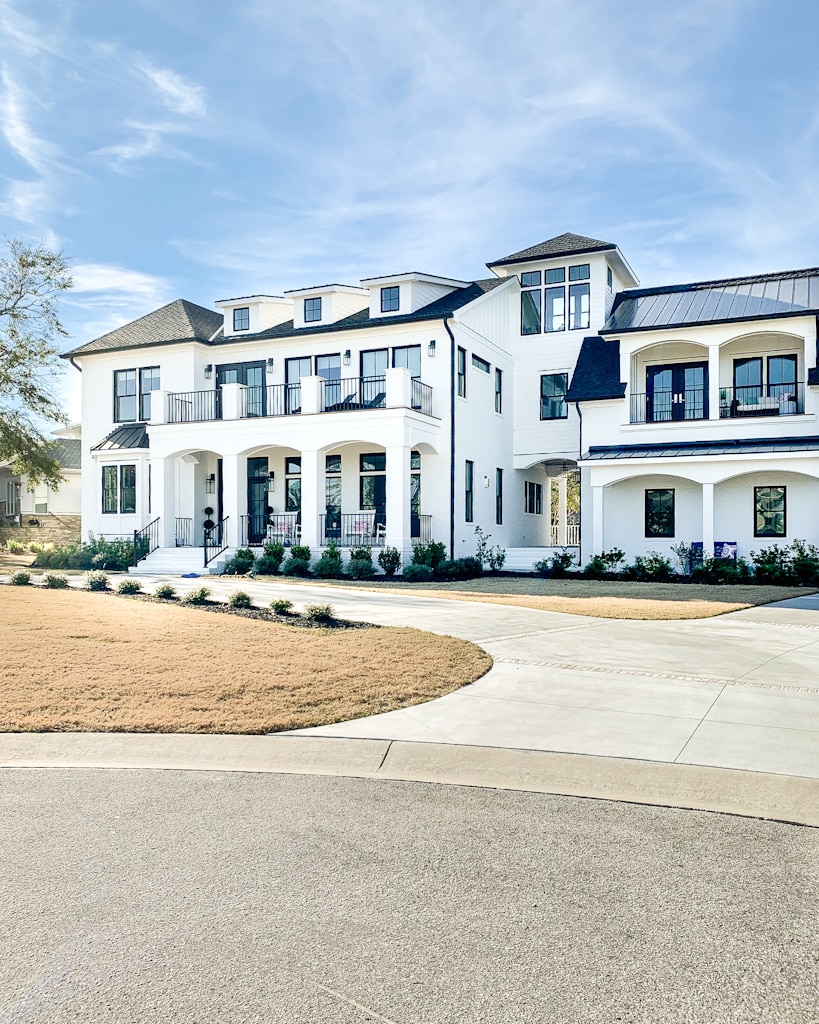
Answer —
(205, 150)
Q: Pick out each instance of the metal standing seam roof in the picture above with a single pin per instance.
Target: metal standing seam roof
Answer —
(789, 293)
(678, 449)
(128, 435)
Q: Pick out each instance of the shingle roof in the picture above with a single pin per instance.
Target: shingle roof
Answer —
(68, 452)
(179, 321)
(567, 244)
(677, 449)
(129, 435)
(597, 372)
(759, 297)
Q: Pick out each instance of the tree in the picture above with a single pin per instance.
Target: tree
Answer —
(31, 280)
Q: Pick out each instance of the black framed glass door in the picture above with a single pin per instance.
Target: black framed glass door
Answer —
(257, 484)
(677, 392)
(252, 376)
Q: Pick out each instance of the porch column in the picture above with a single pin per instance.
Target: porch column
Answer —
(713, 382)
(597, 520)
(163, 500)
(708, 520)
(562, 482)
(234, 496)
(312, 495)
(398, 501)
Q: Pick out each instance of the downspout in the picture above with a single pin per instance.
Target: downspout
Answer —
(77, 368)
(452, 390)
(580, 453)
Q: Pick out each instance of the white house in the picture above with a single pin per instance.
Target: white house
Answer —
(413, 407)
(21, 500)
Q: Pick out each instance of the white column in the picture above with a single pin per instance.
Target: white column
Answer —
(708, 520)
(597, 520)
(159, 406)
(310, 399)
(232, 401)
(398, 501)
(234, 496)
(561, 510)
(399, 388)
(713, 382)
(163, 500)
(313, 503)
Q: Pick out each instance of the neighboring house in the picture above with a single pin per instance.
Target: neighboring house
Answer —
(418, 407)
(21, 502)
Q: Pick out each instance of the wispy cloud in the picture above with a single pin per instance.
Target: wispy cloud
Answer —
(177, 93)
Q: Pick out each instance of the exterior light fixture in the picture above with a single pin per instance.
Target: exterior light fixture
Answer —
(431, 348)
(486, 481)
(271, 481)
(347, 356)
(270, 365)
(208, 371)
(210, 484)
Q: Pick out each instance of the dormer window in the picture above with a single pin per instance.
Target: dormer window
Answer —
(241, 318)
(389, 299)
(579, 273)
(312, 310)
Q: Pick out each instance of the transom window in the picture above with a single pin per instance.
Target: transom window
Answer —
(659, 512)
(531, 279)
(557, 275)
(241, 318)
(533, 498)
(389, 299)
(770, 512)
(579, 273)
(312, 310)
(553, 388)
(481, 364)
(119, 490)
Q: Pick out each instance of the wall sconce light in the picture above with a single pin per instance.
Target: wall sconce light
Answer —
(431, 348)
(346, 357)
(271, 481)
(210, 484)
(486, 481)
(269, 366)
(208, 371)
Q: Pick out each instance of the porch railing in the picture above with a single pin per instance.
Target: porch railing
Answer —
(421, 529)
(215, 540)
(572, 535)
(353, 393)
(194, 406)
(353, 529)
(421, 397)
(184, 532)
(762, 400)
(275, 528)
(146, 540)
(272, 400)
(665, 406)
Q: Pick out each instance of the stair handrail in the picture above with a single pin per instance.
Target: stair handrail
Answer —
(146, 540)
(215, 542)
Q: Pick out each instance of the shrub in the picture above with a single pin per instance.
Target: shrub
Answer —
(556, 566)
(360, 569)
(685, 557)
(722, 570)
(237, 566)
(301, 551)
(55, 581)
(35, 547)
(21, 578)
(495, 558)
(245, 554)
(805, 562)
(432, 554)
(199, 595)
(296, 567)
(389, 559)
(95, 579)
(165, 592)
(362, 553)
(240, 600)
(652, 566)
(273, 557)
(773, 565)
(319, 613)
(96, 554)
(14, 547)
(129, 587)
(459, 569)
(600, 566)
(417, 573)
(330, 564)
(281, 607)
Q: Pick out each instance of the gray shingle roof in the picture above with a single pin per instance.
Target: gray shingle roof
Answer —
(68, 452)
(596, 374)
(679, 449)
(760, 297)
(567, 244)
(179, 321)
(128, 435)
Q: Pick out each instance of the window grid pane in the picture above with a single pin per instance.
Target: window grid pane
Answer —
(241, 319)
(556, 276)
(109, 490)
(312, 310)
(389, 299)
(469, 477)
(769, 512)
(580, 273)
(498, 390)
(531, 279)
(555, 310)
(127, 489)
(530, 312)
(578, 307)
(659, 512)
(553, 388)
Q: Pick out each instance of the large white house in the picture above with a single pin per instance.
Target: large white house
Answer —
(413, 407)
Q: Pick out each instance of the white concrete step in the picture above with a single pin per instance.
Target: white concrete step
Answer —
(177, 561)
(523, 559)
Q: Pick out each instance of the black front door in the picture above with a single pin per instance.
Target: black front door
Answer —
(256, 500)
(677, 392)
(252, 376)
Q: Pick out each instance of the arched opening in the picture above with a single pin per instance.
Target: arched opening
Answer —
(762, 375)
(670, 382)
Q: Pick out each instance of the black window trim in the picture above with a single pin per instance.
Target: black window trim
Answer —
(241, 309)
(498, 496)
(565, 414)
(469, 491)
(768, 487)
(498, 390)
(313, 319)
(481, 364)
(138, 395)
(460, 368)
(650, 535)
(388, 297)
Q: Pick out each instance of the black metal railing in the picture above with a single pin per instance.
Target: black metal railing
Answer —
(281, 528)
(353, 393)
(184, 532)
(215, 540)
(194, 406)
(272, 400)
(421, 397)
(420, 529)
(146, 540)
(353, 529)
(762, 400)
(665, 406)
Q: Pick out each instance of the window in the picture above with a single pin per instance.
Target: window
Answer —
(415, 492)
(609, 279)
(148, 382)
(292, 484)
(578, 307)
(769, 512)
(333, 464)
(659, 513)
(553, 388)
(579, 273)
(556, 276)
(498, 390)
(555, 310)
(499, 497)
(533, 498)
(530, 312)
(241, 318)
(469, 490)
(531, 279)
(462, 372)
(125, 396)
(480, 364)
(332, 494)
(119, 490)
(410, 357)
(374, 362)
(373, 482)
(389, 299)
(312, 310)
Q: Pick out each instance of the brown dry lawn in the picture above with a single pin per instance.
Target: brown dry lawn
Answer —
(608, 599)
(78, 662)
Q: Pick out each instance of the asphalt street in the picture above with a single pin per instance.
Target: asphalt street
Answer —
(134, 896)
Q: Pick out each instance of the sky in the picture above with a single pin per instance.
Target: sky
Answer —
(205, 150)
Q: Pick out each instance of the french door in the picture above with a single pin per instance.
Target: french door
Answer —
(677, 392)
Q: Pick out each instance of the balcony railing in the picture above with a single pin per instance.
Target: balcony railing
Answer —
(273, 400)
(668, 406)
(353, 529)
(194, 406)
(762, 400)
(421, 397)
(274, 528)
(353, 393)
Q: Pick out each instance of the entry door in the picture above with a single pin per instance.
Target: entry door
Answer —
(252, 376)
(677, 392)
(257, 483)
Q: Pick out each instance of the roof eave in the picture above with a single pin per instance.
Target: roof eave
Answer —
(514, 261)
(706, 323)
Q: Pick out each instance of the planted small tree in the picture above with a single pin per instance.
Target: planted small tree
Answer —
(390, 561)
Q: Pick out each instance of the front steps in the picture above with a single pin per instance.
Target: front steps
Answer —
(523, 559)
(178, 561)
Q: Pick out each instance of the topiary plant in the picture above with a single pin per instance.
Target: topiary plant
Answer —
(296, 567)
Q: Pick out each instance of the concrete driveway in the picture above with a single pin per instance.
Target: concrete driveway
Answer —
(737, 691)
